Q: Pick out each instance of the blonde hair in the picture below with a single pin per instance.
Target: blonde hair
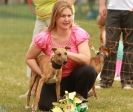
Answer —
(56, 12)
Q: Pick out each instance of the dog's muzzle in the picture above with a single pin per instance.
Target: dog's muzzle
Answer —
(64, 62)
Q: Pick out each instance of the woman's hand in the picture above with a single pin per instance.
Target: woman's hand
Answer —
(83, 55)
(102, 9)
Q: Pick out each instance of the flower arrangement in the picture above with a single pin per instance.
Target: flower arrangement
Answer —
(71, 103)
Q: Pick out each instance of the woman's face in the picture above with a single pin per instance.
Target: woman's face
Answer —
(65, 19)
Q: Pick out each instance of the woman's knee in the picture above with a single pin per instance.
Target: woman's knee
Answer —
(89, 71)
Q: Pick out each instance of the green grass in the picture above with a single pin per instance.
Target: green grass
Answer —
(16, 25)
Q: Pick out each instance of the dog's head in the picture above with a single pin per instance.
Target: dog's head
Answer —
(98, 61)
(104, 51)
(60, 55)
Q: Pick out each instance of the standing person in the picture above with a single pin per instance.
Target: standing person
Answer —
(119, 59)
(43, 9)
(77, 74)
(92, 14)
(43, 12)
(119, 20)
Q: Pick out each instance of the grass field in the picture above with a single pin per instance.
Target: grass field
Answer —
(16, 25)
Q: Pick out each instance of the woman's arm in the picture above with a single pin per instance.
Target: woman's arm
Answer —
(31, 56)
(83, 57)
(102, 8)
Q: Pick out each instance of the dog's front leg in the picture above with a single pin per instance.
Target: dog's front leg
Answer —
(37, 96)
(31, 83)
(94, 91)
(58, 82)
(58, 90)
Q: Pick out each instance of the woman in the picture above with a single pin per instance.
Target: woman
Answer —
(43, 12)
(77, 75)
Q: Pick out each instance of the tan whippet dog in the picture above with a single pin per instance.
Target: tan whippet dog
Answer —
(51, 68)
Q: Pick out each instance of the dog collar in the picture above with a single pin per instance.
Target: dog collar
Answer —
(55, 65)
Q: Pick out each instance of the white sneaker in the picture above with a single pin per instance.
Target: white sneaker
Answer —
(98, 87)
(98, 77)
(127, 87)
(117, 78)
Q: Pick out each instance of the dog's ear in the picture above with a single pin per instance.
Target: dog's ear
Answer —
(108, 50)
(54, 49)
(67, 47)
(103, 48)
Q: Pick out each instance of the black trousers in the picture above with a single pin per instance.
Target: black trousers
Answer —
(80, 80)
(119, 22)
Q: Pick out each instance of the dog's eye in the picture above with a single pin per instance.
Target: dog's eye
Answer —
(65, 53)
(98, 53)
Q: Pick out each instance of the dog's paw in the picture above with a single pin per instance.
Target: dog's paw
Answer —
(22, 96)
(27, 107)
(34, 109)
